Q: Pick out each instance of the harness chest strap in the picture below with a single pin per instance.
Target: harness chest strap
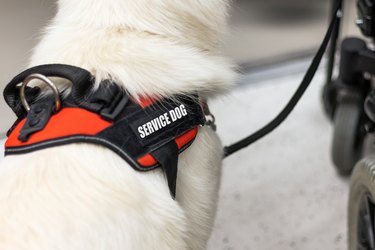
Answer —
(146, 134)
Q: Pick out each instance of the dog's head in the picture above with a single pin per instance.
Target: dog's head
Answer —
(201, 22)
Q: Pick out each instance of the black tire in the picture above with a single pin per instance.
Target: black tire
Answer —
(329, 95)
(361, 213)
(347, 137)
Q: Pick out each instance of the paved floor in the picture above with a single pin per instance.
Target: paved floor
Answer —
(282, 192)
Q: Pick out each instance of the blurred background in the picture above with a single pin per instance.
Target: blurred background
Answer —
(273, 195)
(263, 33)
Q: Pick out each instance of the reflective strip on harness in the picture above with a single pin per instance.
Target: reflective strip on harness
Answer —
(79, 125)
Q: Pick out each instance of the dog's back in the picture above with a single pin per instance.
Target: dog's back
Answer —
(84, 196)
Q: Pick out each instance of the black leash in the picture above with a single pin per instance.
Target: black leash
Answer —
(229, 150)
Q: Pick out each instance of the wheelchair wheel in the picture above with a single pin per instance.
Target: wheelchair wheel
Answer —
(347, 137)
(361, 214)
(329, 99)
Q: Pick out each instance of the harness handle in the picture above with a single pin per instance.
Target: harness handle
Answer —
(81, 79)
(229, 150)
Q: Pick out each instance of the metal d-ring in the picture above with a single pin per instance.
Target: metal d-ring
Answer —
(45, 80)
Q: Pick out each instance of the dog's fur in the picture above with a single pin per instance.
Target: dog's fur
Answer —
(84, 196)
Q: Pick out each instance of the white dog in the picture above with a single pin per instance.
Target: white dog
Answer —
(84, 196)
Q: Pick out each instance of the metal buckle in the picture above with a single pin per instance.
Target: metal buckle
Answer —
(210, 118)
(46, 80)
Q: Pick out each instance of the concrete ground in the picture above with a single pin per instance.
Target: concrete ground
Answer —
(282, 192)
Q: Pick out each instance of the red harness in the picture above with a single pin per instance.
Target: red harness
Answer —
(147, 134)
(70, 122)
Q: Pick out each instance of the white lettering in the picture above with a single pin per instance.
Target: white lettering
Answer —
(178, 112)
(155, 124)
(167, 119)
(183, 110)
(162, 121)
(173, 115)
(150, 129)
(145, 129)
(141, 133)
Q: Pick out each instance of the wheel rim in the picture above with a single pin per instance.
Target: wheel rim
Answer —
(366, 223)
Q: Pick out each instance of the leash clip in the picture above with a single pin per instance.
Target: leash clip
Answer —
(211, 122)
(210, 118)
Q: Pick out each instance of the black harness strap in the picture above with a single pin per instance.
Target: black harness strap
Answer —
(37, 119)
(167, 156)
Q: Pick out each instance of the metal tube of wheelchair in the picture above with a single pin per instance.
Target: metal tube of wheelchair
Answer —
(334, 39)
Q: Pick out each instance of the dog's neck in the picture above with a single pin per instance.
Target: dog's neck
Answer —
(138, 50)
(199, 22)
